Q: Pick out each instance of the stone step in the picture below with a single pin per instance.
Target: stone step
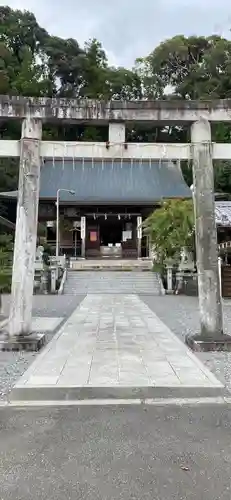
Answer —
(111, 264)
(118, 278)
(106, 282)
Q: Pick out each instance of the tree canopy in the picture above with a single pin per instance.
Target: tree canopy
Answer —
(36, 63)
(170, 228)
(189, 68)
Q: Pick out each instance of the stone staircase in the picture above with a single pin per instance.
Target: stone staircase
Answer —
(120, 282)
(111, 264)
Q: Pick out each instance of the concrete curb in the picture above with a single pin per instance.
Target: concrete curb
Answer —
(66, 394)
(120, 402)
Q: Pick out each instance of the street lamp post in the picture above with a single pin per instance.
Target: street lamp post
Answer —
(57, 217)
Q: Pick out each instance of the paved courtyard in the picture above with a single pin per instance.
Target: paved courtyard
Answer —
(115, 346)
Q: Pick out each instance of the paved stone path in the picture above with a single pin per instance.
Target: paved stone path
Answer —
(114, 345)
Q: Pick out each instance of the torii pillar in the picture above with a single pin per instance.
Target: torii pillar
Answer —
(20, 318)
(206, 232)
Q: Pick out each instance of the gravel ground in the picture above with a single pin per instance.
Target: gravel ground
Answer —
(14, 364)
(181, 315)
(53, 306)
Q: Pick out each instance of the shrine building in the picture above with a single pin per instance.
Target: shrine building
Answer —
(102, 203)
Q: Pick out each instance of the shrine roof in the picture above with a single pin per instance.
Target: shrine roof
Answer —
(114, 181)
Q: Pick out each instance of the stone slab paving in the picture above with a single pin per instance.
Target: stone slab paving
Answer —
(114, 345)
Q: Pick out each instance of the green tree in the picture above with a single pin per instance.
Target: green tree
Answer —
(30, 79)
(19, 29)
(95, 66)
(171, 228)
(105, 82)
(64, 62)
(5, 59)
(33, 62)
(22, 42)
(189, 68)
(123, 84)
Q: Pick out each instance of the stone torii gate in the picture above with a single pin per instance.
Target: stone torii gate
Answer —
(33, 112)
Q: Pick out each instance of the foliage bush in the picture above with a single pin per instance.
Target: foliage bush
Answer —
(171, 228)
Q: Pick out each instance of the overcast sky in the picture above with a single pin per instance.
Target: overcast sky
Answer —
(129, 28)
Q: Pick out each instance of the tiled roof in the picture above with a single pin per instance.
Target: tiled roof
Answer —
(113, 181)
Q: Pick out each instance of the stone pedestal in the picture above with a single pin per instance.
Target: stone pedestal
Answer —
(206, 233)
(26, 229)
(54, 276)
(199, 343)
(32, 342)
(169, 279)
(186, 263)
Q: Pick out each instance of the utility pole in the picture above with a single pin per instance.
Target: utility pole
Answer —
(206, 231)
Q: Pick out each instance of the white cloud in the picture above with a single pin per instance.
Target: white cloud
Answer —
(129, 28)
